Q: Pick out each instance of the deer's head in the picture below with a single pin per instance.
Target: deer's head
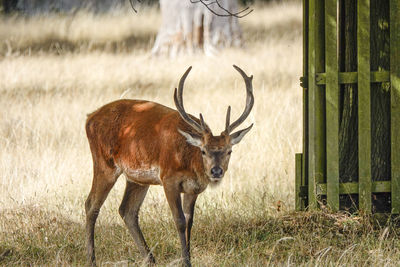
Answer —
(215, 150)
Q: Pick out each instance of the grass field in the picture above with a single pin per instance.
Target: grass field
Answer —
(55, 70)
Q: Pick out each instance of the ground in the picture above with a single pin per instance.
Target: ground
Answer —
(54, 70)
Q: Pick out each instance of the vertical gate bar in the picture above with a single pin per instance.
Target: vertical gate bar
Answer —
(298, 198)
(312, 203)
(395, 102)
(316, 131)
(364, 104)
(304, 166)
(332, 104)
(320, 126)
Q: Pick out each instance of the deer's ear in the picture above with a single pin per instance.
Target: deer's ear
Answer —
(237, 137)
(192, 139)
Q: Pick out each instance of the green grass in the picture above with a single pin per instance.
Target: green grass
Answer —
(229, 239)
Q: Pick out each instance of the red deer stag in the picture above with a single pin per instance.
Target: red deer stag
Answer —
(155, 145)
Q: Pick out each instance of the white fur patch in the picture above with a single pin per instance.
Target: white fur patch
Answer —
(150, 176)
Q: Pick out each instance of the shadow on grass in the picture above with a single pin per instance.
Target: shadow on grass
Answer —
(60, 45)
(33, 236)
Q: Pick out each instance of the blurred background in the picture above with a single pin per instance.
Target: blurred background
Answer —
(93, 5)
(61, 60)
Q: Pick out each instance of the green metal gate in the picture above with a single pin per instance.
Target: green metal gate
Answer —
(326, 84)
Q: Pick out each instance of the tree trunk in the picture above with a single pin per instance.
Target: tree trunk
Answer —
(380, 101)
(190, 27)
(380, 92)
(380, 96)
(348, 127)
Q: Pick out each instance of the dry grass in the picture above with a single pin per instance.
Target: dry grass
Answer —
(81, 32)
(52, 76)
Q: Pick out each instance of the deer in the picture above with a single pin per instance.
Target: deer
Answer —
(152, 144)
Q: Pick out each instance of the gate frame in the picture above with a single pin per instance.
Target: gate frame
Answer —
(317, 168)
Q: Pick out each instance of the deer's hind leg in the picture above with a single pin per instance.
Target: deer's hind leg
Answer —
(104, 178)
(129, 211)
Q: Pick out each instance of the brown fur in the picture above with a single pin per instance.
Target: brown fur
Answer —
(139, 135)
(123, 134)
(155, 145)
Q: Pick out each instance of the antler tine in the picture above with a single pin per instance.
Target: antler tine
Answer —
(181, 84)
(178, 99)
(249, 99)
(203, 124)
(228, 118)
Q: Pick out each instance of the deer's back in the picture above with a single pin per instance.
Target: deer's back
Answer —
(137, 135)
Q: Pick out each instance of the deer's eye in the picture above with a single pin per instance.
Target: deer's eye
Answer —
(203, 152)
(229, 152)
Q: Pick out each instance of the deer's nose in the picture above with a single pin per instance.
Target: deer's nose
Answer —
(217, 172)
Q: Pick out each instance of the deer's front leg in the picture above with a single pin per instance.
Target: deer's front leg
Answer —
(189, 201)
(174, 200)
